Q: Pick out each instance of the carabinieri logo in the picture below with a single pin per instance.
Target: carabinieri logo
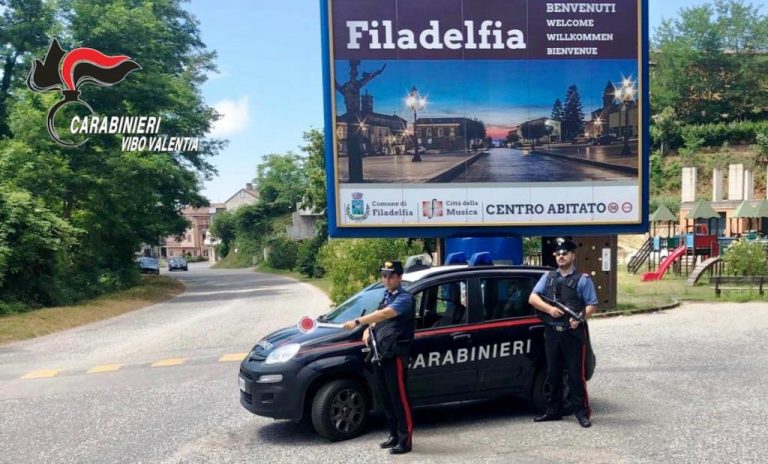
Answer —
(358, 210)
(68, 71)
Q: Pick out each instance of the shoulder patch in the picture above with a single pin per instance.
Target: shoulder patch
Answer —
(584, 274)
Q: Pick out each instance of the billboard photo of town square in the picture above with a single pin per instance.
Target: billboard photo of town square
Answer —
(486, 121)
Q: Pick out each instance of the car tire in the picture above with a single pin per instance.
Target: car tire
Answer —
(537, 394)
(340, 410)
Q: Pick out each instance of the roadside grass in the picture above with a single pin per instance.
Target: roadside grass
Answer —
(323, 283)
(635, 295)
(151, 290)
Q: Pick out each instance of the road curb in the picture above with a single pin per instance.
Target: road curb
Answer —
(674, 304)
(615, 167)
(450, 173)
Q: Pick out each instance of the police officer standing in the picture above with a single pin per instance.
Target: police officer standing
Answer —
(390, 328)
(565, 337)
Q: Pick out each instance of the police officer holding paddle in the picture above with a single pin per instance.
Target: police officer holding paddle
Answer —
(565, 336)
(390, 331)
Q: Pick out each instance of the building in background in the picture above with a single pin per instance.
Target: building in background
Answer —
(244, 196)
(191, 242)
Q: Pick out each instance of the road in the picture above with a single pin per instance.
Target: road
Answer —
(685, 385)
(512, 165)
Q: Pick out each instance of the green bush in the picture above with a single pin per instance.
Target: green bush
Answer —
(307, 259)
(8, 308)
(352, 264)
(746, 258)
(715, 135)
(283, 253)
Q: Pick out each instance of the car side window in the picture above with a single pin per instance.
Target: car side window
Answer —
(505, 297)
(442, 305)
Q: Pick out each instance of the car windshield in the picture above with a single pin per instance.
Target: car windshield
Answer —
(366, 300)
(147, 261)
(177, 260)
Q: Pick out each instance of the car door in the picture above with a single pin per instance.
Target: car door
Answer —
(440, 366)
(509, 338)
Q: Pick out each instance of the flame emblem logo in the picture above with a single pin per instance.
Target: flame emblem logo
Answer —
(66, 72)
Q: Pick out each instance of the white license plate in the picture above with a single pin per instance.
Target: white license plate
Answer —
(241, 383)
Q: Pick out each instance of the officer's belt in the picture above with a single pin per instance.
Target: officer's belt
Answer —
(558, 327)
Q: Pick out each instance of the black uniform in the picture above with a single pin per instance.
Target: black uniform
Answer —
(393, 340)
(566, 348)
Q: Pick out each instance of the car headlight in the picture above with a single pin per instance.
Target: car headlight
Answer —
(283, 354)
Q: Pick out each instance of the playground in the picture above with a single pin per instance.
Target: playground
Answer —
(692, 246)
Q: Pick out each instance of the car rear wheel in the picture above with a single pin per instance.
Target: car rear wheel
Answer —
(537, 394)
(340, 410)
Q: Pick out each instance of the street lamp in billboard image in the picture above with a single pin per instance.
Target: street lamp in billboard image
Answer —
(626, 94)
(415, 102)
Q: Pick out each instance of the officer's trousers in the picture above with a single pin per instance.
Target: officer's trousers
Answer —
(391, 377)
(566, 350)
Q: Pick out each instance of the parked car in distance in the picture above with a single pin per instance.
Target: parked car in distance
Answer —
(582, 140)
(604, 140)
(177, 262)
(148, 265)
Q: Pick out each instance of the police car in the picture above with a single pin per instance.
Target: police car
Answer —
(476, 338)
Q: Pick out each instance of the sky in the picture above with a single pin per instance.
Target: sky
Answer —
(269, 86)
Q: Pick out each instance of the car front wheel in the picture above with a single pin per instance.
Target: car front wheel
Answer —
(340, 410)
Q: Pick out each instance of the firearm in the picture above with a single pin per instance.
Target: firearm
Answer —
(563, 308)
(376, 356)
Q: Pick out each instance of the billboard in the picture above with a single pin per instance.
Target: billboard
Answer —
(467, 117)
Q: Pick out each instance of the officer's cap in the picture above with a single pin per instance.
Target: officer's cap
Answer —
(563, 244)
(391, 267)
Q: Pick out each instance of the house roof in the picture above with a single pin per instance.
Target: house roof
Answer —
(250, 192)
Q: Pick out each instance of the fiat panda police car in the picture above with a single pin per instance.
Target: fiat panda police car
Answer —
(476, 338)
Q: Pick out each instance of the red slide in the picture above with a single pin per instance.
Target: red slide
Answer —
(659, 273)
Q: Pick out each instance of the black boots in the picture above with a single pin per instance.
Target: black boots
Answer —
(550, 416)
(390, 443)
(401, 448)
(583, 420)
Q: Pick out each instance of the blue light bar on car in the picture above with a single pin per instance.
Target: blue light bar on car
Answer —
(482, 258)
(456, 258)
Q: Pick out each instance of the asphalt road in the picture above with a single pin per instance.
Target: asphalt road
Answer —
(512, 165)
(685, 385)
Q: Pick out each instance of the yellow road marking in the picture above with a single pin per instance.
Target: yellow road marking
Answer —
(233, 357)
(41, 374)
(169, 362)
(104, 368)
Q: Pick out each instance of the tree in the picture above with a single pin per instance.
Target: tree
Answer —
(315, 196)
(223, 228)
(281, 181)
(665, 129)
(118, 199)
(512, 137)
(710, 62)
(558, 113)
(573, 119)
(533, 130)
(24, 29)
